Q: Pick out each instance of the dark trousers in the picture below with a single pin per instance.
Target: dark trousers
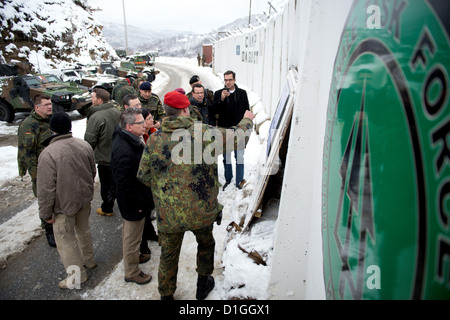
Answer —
(228, 168)
(170, 254)
(106, 191)
(149, 233)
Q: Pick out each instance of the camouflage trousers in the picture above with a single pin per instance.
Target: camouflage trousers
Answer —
(170, 254)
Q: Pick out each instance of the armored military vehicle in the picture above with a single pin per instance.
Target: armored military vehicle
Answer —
(17, 93)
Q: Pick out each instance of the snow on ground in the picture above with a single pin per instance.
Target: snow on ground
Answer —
(236, 275)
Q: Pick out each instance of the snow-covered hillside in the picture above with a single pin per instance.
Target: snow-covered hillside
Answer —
(60, 33)
(51, 34)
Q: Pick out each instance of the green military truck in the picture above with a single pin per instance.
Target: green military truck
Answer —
(17, 93)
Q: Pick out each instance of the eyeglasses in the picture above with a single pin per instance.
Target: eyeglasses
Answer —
(139, 122)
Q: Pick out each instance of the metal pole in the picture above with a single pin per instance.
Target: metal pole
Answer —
(250, 13)
(125, 25)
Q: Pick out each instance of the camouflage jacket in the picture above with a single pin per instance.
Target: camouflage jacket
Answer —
(33, 131)
(195, 113)
(121, 90)
(185, 183)
(154, 105)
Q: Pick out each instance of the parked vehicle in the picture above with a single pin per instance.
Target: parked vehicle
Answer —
(133, 69)
(17, 93)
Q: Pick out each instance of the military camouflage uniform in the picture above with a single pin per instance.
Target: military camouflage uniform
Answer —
(121, 90)
(154, 105)
(195, 113)
(33, 131)
(185, 192)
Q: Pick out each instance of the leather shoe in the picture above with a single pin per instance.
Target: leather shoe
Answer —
(241, 184)
(141, 278)
(91, 265)
(63, 284)
(226, 185)
(204, 286)
(144, 257)
(100, 212)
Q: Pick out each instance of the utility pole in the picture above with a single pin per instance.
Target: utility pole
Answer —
(125, 26)
(250, 13)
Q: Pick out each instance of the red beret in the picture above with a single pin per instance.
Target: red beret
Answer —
(176, 100)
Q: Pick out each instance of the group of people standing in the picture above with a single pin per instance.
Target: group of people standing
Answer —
(132, 146)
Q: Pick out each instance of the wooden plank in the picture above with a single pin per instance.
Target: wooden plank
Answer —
(278, 128)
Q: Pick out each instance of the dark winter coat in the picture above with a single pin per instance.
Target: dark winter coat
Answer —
(205, 109)
(131, 194)
(232, 109)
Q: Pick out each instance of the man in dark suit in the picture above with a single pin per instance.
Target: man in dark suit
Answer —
(231, 103)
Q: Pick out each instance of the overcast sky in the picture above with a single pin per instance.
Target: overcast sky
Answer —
(197, 16)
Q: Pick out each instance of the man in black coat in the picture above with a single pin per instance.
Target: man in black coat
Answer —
(230, 104)
(203, 105)
(134, 199)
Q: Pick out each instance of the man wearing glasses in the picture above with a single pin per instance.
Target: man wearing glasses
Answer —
(134, 199)
(33, 131)
(231, 103)
(201, 107)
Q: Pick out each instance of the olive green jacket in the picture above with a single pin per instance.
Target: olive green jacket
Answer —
(99, 131)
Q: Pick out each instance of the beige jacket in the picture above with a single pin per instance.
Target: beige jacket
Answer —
(65, 179)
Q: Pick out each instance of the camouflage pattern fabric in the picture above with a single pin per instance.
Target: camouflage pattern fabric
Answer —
(195, 113)
(32, 132)
(170, 252)
(154, 104)
(185, 185)
(120, 91)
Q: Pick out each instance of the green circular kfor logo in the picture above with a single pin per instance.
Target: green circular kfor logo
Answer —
(386, 167)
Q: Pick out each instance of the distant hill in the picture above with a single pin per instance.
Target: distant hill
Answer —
(51, 33)
(169, 43)
(57, 34)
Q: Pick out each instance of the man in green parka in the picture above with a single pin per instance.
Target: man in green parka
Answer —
(179, 163)
(103, 117)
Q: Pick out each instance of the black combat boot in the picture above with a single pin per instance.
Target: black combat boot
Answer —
(204, 286)
(50, 236)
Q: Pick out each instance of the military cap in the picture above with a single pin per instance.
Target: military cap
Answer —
(176, 100)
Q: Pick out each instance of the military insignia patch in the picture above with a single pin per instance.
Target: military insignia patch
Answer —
(386, 167)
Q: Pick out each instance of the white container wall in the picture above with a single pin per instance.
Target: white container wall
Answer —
(363, 211)
(305, 37)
